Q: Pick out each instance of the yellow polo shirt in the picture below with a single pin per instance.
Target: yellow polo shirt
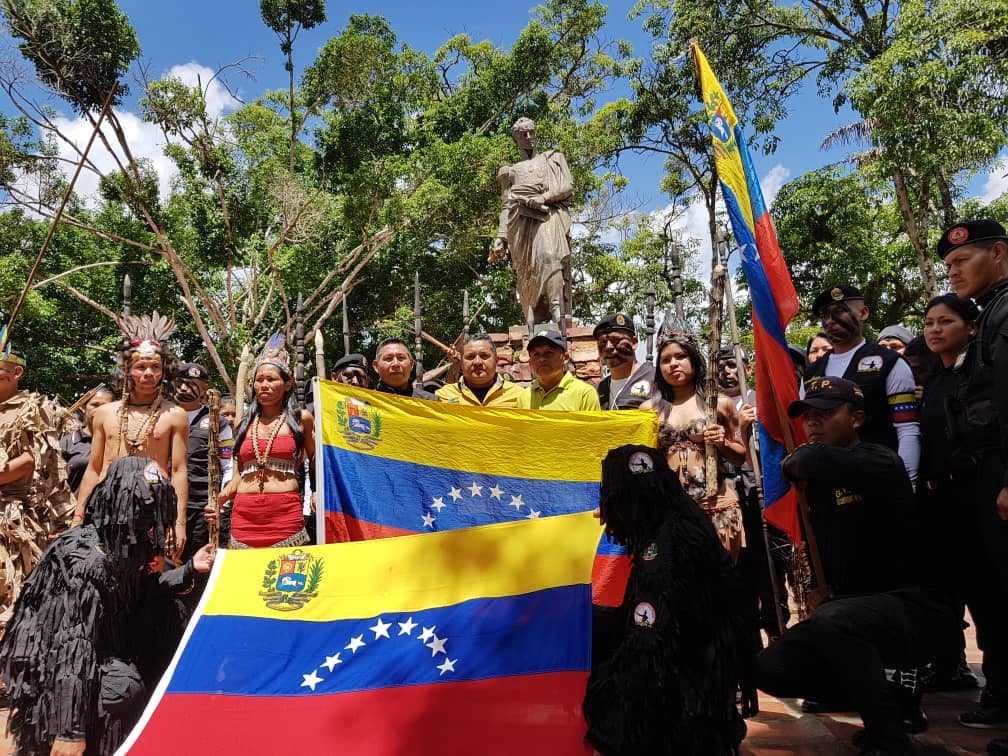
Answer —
(569, 395)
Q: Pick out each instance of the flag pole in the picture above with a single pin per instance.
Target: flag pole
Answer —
(750, 442)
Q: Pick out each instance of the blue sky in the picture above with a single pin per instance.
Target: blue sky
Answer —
(217, 32)
(187, 38)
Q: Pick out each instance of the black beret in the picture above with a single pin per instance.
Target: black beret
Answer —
(193, 371)
(618, 322)
(350, 360)
(969, 232)
(840, 293)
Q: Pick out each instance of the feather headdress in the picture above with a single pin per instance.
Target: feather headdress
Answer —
(6, 352)
(275, 353)
(146, 336)
(673, 327)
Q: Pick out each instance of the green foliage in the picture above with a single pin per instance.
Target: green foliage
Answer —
(80, 48)
(836, 228)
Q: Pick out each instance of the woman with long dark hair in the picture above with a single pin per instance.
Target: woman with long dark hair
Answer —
(272, 443)
(683, 433)
(948, 327)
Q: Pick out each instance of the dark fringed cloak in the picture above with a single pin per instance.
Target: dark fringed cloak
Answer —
(93, 628)
(669, 685)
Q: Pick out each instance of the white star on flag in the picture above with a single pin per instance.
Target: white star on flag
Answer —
(427, 634)
(331, 662)
(355, 643)
(437, 646)
(380, 630)
(438, 503)
(516, 501)
(406, 628)
(310, 681)
(534, 514)
(455, 493)
(448, 665)
(475, 490)
(428, 520)
(496, 492)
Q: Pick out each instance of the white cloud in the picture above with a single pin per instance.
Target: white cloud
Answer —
(773, 181)
(192, 74)
(996, 183)
(145, 140)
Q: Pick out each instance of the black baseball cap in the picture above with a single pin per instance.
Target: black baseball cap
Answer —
(618, 322)
(970, 232)
(827, 392)
(553, 338)
(841, 293)
(192, 371)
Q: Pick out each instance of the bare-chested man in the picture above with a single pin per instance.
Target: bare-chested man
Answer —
(144, 423)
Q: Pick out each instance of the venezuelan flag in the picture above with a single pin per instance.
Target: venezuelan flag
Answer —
(471, 641)
(773, 295)
(392, 466)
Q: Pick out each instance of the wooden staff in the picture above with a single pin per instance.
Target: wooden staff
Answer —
(213, 399)
(299, 350)
(715, 314)
(649, 323)
(417, 329)
(320, 354)
(241, 383)
(346, 329)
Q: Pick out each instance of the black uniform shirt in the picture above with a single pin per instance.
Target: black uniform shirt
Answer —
(863, 515)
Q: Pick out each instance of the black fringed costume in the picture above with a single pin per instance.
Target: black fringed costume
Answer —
(669, 685)
(94, 628)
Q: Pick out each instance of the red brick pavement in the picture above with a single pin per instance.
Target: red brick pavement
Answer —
(782, 729)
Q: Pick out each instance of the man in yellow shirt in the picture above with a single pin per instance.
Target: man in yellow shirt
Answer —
(553, 388)
(480, 385)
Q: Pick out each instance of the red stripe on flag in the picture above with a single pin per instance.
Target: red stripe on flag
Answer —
(527, 714)
(609, 579)
(339, 528)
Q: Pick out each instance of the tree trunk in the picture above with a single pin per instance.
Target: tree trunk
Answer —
(917, 233)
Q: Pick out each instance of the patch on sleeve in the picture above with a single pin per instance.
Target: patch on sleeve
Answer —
(903, 408)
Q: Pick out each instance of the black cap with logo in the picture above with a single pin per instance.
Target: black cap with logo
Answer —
(841, 293)
(827, 392)
(970, 232)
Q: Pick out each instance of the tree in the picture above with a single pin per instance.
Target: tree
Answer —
(837, 227)
(928, 79)
(287, 18)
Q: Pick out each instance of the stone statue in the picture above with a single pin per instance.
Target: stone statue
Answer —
(535, 225)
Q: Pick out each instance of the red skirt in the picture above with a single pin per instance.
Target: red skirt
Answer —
(261, 520)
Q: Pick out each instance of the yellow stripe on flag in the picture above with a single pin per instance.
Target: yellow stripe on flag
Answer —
(368, 578)
(726, 150)
(555, 445)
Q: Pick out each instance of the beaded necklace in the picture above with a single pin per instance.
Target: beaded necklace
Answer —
(263, 457)
(143, 432)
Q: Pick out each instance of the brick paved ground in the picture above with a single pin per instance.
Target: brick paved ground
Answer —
(782, 729)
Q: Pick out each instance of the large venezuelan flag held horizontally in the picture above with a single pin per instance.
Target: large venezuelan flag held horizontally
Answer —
(474, 641)
(773, 296)
(391, 465)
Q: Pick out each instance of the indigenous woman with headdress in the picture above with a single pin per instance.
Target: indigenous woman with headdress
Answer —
(684, 432)
(272, 443)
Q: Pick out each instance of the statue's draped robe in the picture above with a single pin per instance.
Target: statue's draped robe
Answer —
(539, 241)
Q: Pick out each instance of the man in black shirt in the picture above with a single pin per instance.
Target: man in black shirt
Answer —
(976, 257)
(884, 377)
(394, 365)
(629, 383)
(870, 615)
